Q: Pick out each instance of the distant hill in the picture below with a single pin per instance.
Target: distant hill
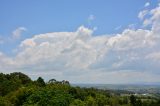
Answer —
(136, 88)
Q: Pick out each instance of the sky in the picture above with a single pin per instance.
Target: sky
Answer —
(83, 41)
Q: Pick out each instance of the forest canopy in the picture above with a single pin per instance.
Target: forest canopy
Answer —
(17, 89)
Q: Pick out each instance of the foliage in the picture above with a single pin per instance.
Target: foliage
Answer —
(17, 89)
(133, 100)
(40, 82)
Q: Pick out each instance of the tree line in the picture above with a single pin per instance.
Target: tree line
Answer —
(17, 89)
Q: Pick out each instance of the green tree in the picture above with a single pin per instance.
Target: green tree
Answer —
(101, 100)
(4, 102)
(114, 101)
(11, 82)
(49, 97)
(138, 102)
(19, 97)
(133, 100)
(24, 79)
(90, 101)
(40, 82)
(52, 81)
(77, 102)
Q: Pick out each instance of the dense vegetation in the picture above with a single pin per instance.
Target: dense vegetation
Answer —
(17, 89)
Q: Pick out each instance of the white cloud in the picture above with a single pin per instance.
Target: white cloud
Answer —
(91, 17)
(154, 56)
(132, 26)
(16, 34)
(147, 4)
(78, 56)
(142, 14)
(28, 42)
(153, 20)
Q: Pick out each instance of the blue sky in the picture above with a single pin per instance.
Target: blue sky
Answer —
(21, 20)
(60, 15)
(43, 16)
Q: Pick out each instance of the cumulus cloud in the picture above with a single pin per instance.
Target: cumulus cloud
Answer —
(132, 26)
(147, 4)
(130, 56)
(142, 14)
(16, 34)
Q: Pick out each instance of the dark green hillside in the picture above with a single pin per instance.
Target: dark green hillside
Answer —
(17, 89)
